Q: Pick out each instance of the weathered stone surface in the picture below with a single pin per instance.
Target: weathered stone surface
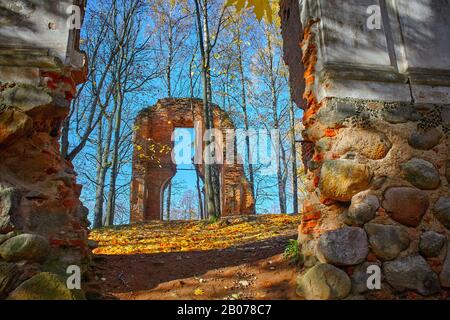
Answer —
(345, 93)
(4, 237)
(441, 210)
(425, 140)
(92, 244)
(26, 97)
(422, 174)
(387, 241)
(447, 171)
(38, 78)
(342, 179)
(378, 182)
(324, 282)
(368, 143)
(359, 277)
(412, 273)
(25, 247)
(398, 113)
(43, 286)
(431, 243)
(5, 224)
(343, 247)
(406, 205)
(19, 75)
(9, 276)
(334, 114)
(9, 204)
(356, 298)
(445, 114)
(444, 276)
(362, 209)
(13, 125)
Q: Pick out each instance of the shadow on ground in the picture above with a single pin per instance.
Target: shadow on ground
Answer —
(251, 271)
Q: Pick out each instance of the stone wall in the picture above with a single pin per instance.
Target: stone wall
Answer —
(153, 167)
(43, 224)
(377, 111)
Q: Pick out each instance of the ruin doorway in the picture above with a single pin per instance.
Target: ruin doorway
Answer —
(153, 166)
(183, 194)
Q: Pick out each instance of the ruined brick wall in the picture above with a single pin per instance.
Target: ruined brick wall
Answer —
(378, 181)
(152, 160)
(43, 224)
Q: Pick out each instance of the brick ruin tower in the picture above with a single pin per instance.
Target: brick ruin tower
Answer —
(153, 167)
(376, 103)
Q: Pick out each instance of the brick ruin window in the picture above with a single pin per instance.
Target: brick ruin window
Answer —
(153, 167)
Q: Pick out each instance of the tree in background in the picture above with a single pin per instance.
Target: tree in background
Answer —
(100, 126)
(270, 97)
(207, 41)
(143, 50)
(172, 22)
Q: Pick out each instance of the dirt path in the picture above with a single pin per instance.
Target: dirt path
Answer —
(250, 271)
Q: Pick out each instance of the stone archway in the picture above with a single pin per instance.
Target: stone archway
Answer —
(153, 166)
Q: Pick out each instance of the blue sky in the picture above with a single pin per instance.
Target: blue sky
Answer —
(156, 90)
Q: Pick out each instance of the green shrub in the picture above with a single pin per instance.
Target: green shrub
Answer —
(292, 252)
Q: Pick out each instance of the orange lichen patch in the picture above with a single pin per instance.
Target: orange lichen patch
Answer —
(318, 157)
(309, 47)
(327, 201)
(316, 181)
(309, 206)
(311, 216)
(330, 132)
(309, 61)
(313, 107)
(308, 227)
(335, 156)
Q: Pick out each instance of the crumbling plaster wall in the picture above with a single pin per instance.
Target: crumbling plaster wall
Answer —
(43, 224)
(377, 111)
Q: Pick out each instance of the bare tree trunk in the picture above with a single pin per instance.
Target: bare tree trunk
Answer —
(282, 178)
(281, 156)
(244, 111)
(210, 197)
(169, 95)
(110, 206)
(98, 208)
(197, 174)
(214, 168)
(294, 157)
(103, 154)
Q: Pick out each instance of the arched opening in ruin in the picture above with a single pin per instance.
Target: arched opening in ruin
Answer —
(183, 193)
(154, 166)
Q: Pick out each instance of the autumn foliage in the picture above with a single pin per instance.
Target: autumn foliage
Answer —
(182, 236)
